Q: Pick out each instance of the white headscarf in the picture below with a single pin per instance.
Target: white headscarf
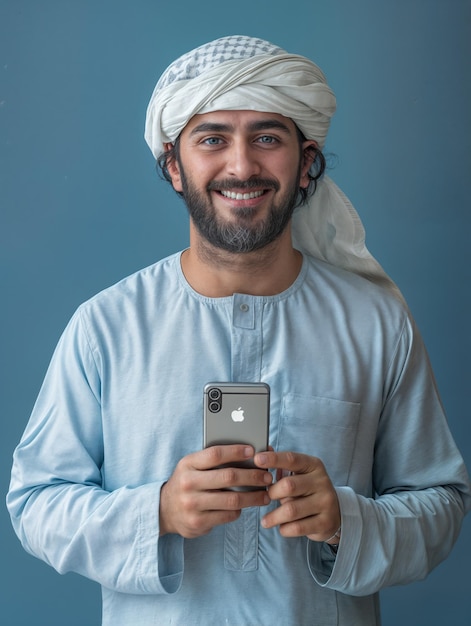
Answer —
(244, 73)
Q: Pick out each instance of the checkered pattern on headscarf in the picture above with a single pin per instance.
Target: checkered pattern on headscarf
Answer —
(212, 54)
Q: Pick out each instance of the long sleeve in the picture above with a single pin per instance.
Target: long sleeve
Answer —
(122, 403)
(421, 488)
(59, 508)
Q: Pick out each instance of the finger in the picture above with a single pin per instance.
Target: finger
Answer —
(290, 461)
(297, 485)
(317, 528)
(232, 477)
(305, 527)
(216, 508)
(295, 519)
(199, 523)
(290, 510)
(232, 500)
(315, 515)
(214, 456)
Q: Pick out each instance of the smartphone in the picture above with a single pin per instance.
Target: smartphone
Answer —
(237, 413)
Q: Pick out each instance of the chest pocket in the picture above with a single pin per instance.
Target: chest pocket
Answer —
(321, 427)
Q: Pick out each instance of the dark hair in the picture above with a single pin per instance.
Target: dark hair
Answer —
(172, 154)
(315, 171)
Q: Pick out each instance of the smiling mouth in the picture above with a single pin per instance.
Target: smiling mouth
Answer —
(233, 195)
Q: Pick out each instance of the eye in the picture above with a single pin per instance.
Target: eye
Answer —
(212, 141)
(267, 139)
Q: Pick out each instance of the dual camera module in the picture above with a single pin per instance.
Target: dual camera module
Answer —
(214, 400)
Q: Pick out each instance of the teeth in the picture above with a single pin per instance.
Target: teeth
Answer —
(232, 195)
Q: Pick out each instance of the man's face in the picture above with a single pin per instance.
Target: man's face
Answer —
(240, 173)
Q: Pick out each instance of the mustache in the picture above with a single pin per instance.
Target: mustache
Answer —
(230, 184)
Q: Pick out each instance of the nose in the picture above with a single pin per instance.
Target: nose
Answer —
(242, 161)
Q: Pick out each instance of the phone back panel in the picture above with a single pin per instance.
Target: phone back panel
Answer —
(236, 413)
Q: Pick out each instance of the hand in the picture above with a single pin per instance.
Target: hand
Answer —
(196, 496)
(308, 501)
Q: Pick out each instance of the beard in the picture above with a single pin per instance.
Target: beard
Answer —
(240, 235)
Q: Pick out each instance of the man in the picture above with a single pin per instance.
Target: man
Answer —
(366, 487)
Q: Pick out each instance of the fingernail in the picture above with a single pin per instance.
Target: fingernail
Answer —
(261, 459)
(268, 478)
(248, 452)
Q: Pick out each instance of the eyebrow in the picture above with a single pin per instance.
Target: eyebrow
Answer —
(259, 125)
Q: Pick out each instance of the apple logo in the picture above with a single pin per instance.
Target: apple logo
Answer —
(238, 415)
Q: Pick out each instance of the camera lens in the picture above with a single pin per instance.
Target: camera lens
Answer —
(214, 407)
(214, 394)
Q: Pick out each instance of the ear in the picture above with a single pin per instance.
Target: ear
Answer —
(174, 170)
(307, 160)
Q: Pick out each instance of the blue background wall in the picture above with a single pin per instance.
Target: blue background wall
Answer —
(81, 205)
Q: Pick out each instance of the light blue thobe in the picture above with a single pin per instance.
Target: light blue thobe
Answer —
(122, 403)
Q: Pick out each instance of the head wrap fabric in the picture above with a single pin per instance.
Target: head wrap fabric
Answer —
(239, 73)
(245, 73)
